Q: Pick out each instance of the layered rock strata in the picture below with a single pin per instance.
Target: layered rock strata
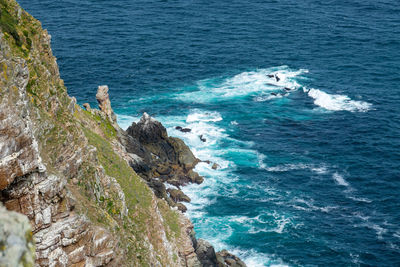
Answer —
(70, 171)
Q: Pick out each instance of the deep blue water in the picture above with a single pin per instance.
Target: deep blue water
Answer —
(307, 178)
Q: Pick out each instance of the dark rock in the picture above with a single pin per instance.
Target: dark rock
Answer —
(202, 138)
(206, 253)
(148, 130)
(181, 207)
(195, 177)
(274, 94)
(183, 130)
(215, 166)
(163, 170)
(158, 188)
(225, 258)
(186, 130)
(184, 154)
(177, 195)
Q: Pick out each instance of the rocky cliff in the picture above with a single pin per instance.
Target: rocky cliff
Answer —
(73, 172)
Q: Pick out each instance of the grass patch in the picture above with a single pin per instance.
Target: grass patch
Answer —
(104, 124)
(171, 220)
(135, 190)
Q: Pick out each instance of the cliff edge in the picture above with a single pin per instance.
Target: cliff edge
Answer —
(73, 172)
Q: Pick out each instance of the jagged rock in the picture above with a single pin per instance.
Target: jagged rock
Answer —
(215, 166)
(16, 243)
(19, 153)
(195, 177)
(47, 140)
(202, 138)
(148, 130)
(167, 158)
(178, 195)
(158, 188)
(225, 258)
(104, 102)
(181, 207)
(206, 253)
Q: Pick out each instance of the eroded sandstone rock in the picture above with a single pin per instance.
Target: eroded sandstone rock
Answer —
(104, 102)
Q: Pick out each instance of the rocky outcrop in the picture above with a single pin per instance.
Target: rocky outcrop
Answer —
(16, 242)
(224, 258)
(71, 171)
(206, 253)
(160, 158)
(104, 102)
(20, 156)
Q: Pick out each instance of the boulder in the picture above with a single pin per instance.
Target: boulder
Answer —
(181, 207)
(184, 154)
(225, 258)
(178, 195)
(206, 253)
(215, 166)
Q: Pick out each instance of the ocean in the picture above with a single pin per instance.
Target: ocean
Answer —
(299, 103)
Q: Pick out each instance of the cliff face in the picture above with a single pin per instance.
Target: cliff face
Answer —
(71, 172)
(66, 170)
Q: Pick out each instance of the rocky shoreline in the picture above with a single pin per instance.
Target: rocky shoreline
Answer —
(161, 159)
(93, 194)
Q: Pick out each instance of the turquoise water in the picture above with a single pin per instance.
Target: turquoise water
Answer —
(307, 177)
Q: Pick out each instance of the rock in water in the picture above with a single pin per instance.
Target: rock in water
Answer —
(202, 138)
(168, 150)
(225, 258)
(178, 195)
(215, 166)
(186, 130)
(104, 102)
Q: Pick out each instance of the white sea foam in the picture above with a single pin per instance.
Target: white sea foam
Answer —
(308, 205)
(124, 121)
(340, 180)
(298, 166)
(337, 102)
(244, 84)
(204, 116)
